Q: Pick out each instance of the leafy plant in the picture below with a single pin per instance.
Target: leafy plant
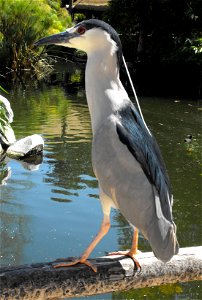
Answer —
(1, 88)
(24, 21)
(6, 114)
(161, 31)
(3, 118)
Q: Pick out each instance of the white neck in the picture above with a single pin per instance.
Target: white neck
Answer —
(104, 90)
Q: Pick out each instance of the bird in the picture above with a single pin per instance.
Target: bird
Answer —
(188, 139)
(126, 158)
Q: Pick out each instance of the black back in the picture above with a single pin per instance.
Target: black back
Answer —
(133, 133)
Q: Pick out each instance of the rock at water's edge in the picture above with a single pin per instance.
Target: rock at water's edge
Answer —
(30, 145)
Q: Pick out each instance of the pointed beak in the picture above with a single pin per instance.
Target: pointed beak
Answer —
(56, 39)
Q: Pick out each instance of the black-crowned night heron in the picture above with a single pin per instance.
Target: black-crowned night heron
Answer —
(126, 158)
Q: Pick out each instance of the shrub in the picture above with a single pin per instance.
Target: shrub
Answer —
(24, 21)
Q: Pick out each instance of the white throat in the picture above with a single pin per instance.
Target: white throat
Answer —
(104, 90)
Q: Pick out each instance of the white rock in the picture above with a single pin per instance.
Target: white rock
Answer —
(29, 145)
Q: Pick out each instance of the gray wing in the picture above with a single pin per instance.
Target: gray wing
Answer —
(132, 132)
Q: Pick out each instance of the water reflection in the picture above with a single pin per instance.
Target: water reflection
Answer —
(5, 171)
(53, 212)
(13, 227)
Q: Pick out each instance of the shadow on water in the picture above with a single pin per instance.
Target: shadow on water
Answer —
(54, 211)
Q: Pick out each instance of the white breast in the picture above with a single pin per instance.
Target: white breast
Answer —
(104, 90)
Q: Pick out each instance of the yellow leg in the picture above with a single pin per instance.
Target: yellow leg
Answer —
(133, 251)
(83, 259)
(134, 248)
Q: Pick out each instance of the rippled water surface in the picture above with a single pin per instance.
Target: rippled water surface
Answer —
(52, 209)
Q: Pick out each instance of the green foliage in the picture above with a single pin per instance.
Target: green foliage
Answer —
(79, 17)
(24, 21)
(196, 45)
(1, 88)
(193, 47)
(4, 118)
(76, 76)
(161, 30)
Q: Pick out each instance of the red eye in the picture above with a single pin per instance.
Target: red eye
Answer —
(81, 30)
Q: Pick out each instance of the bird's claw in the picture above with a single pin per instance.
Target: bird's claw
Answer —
(73, 263)
(123, 252)
(131, 255)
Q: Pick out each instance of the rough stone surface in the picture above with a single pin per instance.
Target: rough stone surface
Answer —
(42, 281)
(30, 145)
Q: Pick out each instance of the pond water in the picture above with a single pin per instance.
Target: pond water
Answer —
(54, 211)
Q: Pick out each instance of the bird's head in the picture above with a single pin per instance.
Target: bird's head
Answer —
(89, 36)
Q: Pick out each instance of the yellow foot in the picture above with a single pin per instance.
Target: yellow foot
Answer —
(130, 254)
(73, 263)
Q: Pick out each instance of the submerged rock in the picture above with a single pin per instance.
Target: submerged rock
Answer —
(30, 145)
